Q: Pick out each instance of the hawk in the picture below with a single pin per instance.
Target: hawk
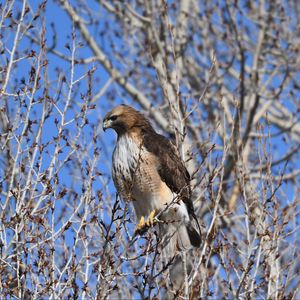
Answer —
(147, 171)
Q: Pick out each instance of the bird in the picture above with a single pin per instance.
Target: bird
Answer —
(148, 172)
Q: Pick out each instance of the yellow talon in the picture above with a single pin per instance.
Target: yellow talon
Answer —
(142, 226)
(150, 220)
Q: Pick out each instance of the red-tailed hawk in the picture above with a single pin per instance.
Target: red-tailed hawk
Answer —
(148, 171)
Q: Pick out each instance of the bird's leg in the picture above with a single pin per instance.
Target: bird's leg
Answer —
(143, 226)
(150, 220)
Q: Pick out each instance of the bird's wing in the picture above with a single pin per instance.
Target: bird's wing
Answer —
(170, 166)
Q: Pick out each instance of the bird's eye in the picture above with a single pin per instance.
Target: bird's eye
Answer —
(113, 118)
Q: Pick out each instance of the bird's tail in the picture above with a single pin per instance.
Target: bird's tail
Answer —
(181, 237)
(194, 231)
(178, 240)
(194, 235)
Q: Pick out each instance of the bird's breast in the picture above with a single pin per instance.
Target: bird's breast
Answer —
(136, 177)
(125, 158)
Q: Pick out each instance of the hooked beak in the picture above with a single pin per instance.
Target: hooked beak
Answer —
(106, 124)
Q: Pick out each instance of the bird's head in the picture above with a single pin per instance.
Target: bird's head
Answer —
(112, 119)
(123, 118)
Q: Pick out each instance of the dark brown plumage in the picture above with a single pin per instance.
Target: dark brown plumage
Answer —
(173, 172)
